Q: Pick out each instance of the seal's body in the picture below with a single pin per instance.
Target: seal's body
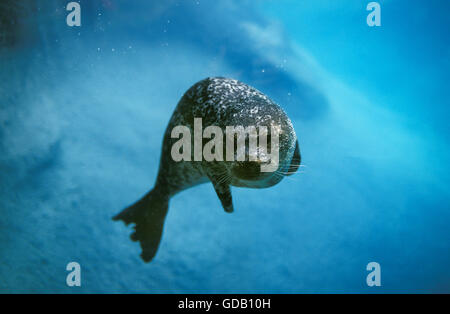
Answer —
(218, 102)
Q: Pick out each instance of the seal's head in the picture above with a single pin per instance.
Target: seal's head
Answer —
(266, 164)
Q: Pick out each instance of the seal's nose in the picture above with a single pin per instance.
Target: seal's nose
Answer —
(296, 160)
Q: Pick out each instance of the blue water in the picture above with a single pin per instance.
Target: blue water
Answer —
(83, 111)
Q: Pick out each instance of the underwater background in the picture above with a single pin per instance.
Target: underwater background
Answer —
(83, 111)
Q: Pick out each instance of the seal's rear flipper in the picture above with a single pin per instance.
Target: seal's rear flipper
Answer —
(148, 214)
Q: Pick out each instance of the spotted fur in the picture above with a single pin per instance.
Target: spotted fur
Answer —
(220, 102)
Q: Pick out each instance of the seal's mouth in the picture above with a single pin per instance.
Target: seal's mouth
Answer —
(249, 171)
(295, 162)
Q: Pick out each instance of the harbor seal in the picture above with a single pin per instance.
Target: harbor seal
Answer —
(219, 102)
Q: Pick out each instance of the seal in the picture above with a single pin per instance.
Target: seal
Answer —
(218, 102)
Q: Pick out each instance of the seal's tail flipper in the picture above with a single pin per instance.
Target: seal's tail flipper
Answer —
(148, 214)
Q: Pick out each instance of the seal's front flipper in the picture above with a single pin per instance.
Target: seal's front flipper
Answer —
(148, 214)
(224, 193)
